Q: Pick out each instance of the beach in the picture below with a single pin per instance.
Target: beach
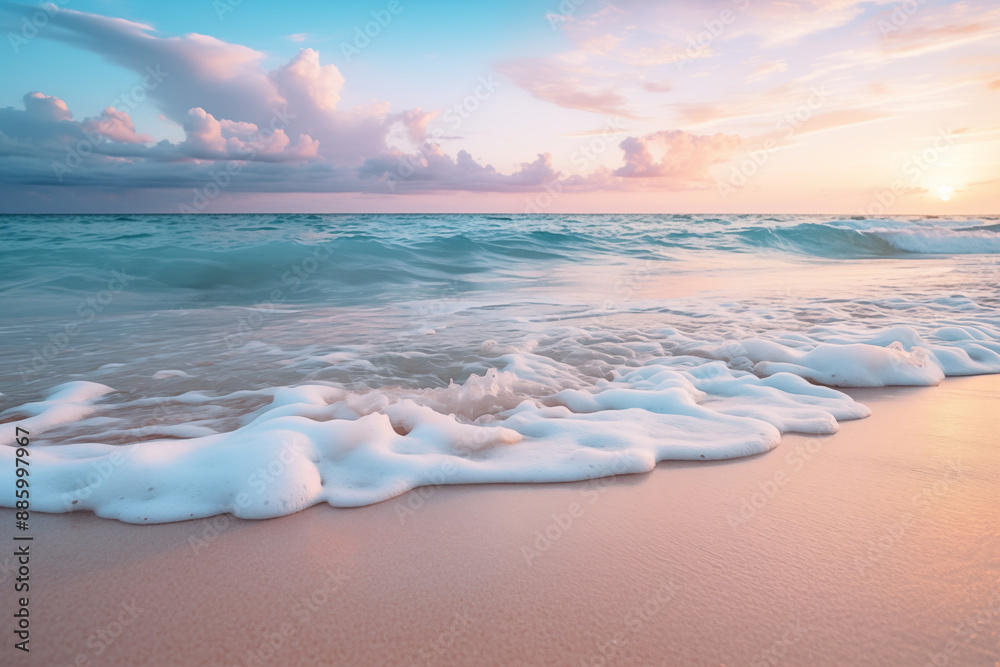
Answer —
(527, 333)
(879, 545)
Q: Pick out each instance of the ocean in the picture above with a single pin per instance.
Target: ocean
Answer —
(169, 367)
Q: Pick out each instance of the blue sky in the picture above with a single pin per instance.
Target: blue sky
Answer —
(424, 52)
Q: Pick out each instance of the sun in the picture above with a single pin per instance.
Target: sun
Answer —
(945, 191)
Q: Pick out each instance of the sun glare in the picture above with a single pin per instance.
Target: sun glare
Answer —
(945, 191)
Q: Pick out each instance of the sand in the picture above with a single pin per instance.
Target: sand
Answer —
(876, 546)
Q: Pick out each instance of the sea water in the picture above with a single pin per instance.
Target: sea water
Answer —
(171, 367)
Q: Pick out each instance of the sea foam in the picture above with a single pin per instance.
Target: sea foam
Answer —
(262, 364)
(319, 443)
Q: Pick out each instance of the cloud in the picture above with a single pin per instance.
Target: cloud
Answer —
(287, 126)
(117, 126)
(432, 168)
(46, 129)
(230, 109)
(653, 33)
(908, 42)
(683, 156)
(564, 86)
(210, 139)
(840, 118)
(780, 23)
(415, 122)
(45, 121)
(113, 154)
(305, 83)
(298, 37)
(199, 70)
(657, 86)
(765, 70)
(47, 108)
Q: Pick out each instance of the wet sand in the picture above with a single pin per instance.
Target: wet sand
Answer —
(879, 545)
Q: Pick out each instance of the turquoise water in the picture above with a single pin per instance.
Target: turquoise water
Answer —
(474, 347)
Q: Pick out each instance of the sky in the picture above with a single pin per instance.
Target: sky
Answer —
(526, 106)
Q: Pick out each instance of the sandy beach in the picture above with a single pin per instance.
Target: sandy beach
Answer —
(496, 334)
(879, 545)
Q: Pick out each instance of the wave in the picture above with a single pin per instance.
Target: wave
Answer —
(172, 367)
(875, 239)
(528, 418)
(262, 252)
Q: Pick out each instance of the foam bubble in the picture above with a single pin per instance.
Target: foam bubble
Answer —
(316, 443)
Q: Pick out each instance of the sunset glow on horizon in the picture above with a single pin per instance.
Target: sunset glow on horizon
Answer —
(821, 106)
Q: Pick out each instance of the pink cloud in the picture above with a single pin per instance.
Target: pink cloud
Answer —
(657, 86)
(306, 83)
(209, 139)
(45, 107)
(682, 155)
(203, 134)
(116, 126)
(765, 70)
(565, 86)
(415, 121)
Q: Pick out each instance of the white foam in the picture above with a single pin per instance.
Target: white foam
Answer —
(848, 365)
(318, 443)
(573, 405)
(940, 241)
(63, 404)
(163, 375)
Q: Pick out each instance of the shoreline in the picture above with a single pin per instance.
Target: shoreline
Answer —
(871, 546)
